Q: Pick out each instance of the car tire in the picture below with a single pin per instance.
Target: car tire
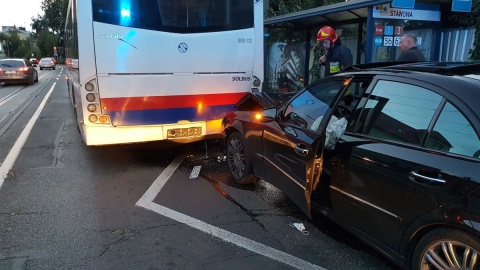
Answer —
(31, 80)
(41, 68)
(446, 247)
(36, 77)
(238, 159)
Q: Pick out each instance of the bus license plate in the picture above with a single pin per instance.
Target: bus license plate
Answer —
(184, 132)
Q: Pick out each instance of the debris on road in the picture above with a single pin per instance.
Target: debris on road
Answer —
(300, 227)
(195, 172)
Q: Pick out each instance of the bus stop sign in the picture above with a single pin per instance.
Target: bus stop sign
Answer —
(462, 5)
(403, 3)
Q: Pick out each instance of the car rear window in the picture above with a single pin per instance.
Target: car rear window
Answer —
(11, 63)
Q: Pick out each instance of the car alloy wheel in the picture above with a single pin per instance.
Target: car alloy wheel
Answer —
(238, 160)
(447, 249)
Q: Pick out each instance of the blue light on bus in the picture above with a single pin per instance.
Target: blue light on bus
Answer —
(125, 13)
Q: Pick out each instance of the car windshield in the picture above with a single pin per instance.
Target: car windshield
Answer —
(11, 63)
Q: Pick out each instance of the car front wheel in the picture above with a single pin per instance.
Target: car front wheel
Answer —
(238, 160)
(447, 249)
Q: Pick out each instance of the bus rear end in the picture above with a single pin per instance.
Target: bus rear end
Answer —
(156, 70)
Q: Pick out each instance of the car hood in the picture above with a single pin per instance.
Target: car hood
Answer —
(262, 100)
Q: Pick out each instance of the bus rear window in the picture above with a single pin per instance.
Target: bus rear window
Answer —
(177, 16)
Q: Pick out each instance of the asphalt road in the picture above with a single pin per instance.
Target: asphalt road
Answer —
(64, 205)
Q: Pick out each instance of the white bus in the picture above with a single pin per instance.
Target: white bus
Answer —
(148, 70)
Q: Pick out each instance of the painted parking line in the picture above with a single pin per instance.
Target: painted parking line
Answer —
(146, 201)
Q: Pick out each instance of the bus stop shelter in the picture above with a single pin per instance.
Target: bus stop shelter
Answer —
(370, 28)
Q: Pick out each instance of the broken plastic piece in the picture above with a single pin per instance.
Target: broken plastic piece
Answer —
(195, 172)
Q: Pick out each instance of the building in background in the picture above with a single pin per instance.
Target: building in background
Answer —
(23, 34)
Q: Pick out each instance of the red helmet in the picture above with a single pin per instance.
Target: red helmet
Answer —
(327, 32)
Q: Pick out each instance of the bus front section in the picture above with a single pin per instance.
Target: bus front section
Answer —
(169, 69)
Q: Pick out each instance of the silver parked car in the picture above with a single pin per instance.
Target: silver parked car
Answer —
(17, 70)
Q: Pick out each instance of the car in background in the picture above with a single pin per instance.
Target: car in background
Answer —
(16, 70)
(33, 61)
(389, 152)
(47, 63)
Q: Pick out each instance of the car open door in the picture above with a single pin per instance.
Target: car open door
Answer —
(293, 144)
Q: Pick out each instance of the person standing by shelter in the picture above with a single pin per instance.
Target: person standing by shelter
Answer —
(338, 56)
(409, 51)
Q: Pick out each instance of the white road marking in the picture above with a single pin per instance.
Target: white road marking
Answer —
(17, 147)
(161, 180)
(147, 202)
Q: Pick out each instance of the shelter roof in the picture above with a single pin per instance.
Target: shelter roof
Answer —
(344, 11)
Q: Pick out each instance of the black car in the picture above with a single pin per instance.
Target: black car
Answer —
(391, 153)
(33, 61)
(17, 70)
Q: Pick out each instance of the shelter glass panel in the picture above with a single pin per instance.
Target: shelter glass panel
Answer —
(388, 33)
(285, 60)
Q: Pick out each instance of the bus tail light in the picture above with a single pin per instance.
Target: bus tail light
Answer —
(92, 108)
(89, 86)
(92, 118)
(91, 97)
(256, 81)
(103, 119)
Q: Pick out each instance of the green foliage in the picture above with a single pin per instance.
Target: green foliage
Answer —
(281, 7)
(11, 44)
(49, 26)
(15, 47)
(54, 16)
(45, 43)
(467, 20)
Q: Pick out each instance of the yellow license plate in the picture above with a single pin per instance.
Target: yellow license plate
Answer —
(184, 132)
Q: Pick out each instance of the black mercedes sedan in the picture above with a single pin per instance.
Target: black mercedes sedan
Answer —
(389, 152)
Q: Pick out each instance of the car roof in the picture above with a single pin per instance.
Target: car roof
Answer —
(12, 59)
(461, 79)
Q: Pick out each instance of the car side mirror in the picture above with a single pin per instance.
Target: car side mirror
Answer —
(268, 115)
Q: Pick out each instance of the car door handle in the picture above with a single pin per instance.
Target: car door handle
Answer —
(301, 149)
(416, 176)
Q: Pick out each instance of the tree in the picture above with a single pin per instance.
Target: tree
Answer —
(467, 20)
(54, 16)
(281, 7)
(12, 45)
(49, 26)
(45, 42)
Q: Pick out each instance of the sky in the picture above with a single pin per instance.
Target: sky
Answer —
(19, 12)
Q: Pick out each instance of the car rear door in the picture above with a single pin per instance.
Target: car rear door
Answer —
(293, 145)
(390, 166)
